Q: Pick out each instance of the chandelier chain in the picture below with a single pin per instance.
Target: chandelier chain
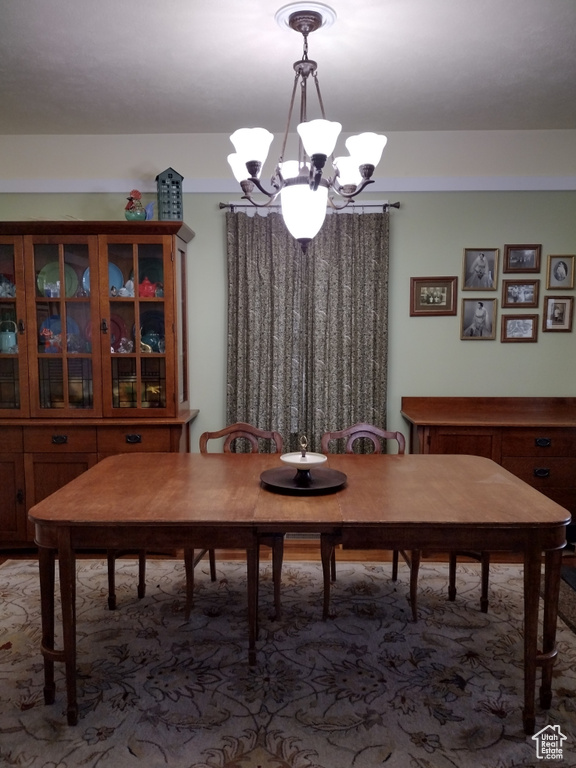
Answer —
(317, 84)
(290, 110)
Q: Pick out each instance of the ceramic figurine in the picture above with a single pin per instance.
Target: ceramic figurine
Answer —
(134, 210)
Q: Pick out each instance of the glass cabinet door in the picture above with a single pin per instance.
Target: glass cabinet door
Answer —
(13, 359)
(64, 326)
(137, 332)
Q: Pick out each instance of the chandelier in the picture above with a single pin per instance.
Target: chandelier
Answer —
(304, 190)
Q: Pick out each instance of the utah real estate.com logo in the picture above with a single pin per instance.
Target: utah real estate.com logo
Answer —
(549, 743)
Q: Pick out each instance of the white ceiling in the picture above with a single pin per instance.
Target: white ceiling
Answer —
(184, 66)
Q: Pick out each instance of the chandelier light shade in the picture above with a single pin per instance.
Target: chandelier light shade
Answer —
(304, 210)
(367, 148)
(319, 137)
(304, 190)
(252, 145)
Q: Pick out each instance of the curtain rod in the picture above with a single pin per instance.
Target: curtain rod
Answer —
(384, 206)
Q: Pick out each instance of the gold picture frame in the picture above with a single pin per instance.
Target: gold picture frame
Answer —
(519, 328)
(560, 273)
(478, 319)
(522, 258)
(433, 296)
(480, 269)
(520, 294)
(558, 313)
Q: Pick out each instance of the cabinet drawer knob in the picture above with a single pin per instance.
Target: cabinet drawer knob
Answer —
(20, 496)
(541, 472)
(543, 442)
(134, 438)
(59, 439)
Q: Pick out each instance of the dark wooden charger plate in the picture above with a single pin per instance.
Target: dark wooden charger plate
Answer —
(315, 481)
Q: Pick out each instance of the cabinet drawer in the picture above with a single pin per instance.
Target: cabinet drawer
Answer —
(543, 473)
(133, 438)
(539, 442)
(60, 439)
(11, 439)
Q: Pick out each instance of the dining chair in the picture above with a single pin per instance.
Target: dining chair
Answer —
(255, 438)
(484, 560)
(114, 554)
(376, 438)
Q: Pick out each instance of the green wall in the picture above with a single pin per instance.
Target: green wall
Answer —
(428, 235)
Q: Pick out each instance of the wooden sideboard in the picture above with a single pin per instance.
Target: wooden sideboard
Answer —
(37, 458)
(532, 437)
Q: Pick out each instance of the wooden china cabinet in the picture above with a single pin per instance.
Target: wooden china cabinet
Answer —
(93, 353)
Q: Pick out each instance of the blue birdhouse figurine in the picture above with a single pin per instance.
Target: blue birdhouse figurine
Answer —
(169, 188)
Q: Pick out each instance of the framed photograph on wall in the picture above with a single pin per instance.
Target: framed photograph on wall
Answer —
(522, 258)
(560, 272)
(519, 328)
(480, 269)
(433, 296)
(520, 293)
(558, 311)
(478, 319)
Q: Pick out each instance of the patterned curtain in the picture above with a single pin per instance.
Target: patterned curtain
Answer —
(307, 333)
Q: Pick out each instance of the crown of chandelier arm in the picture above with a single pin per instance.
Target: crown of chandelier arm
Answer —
(299, 182)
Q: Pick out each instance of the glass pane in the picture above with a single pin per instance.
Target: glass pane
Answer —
(80, 391)
(122, 327)
(78, 327)
(150, 275)
(120, 278)
(152, 337)
(182, 325)
(47, 270)
(153, 382)
(51, 382)
(75, 269)
(124, 382)
(9, 361)
(7, 272)
(8, 328)
(49, 324)
(9, 383)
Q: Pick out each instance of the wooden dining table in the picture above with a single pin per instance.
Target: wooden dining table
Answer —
(427, 502)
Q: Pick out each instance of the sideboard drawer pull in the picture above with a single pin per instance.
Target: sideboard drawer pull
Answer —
(133, 438)
(541, 472)
(59, 439)
(543, 442)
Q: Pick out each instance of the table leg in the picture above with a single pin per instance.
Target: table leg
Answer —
(532, 572)
(189, 571)
(111, 560)
(327, 544)
(46, 560)
(67, 569)
(252, 589)
(553, 568)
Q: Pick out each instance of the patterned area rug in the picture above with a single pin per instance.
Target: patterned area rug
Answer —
(367, 688)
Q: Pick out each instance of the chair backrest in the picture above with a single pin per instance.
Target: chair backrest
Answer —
(368, 431)
(241, 430)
